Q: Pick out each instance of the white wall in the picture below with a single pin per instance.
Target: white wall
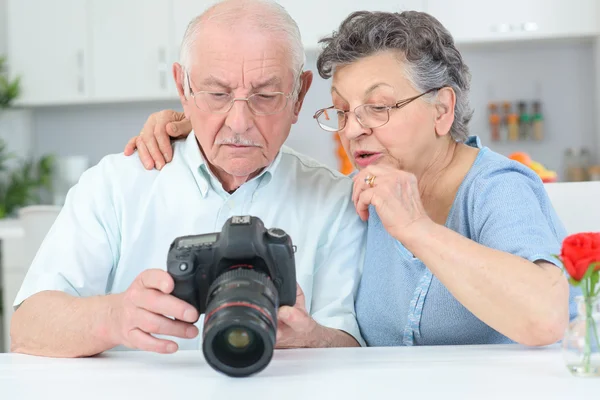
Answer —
(3, 33)
(560, 73)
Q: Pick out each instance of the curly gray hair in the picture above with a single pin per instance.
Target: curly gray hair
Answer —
(430, 57)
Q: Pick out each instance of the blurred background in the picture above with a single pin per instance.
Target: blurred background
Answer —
(92, 71)
(78, 78)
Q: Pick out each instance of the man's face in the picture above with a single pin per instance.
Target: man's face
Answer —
(239, 62)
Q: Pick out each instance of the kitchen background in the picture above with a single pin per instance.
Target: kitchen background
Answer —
(92, 71)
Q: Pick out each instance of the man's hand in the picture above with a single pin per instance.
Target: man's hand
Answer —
(154, 141)
(142, 310)
(296, 328)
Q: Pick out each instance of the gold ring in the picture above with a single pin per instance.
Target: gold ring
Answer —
(370, 180)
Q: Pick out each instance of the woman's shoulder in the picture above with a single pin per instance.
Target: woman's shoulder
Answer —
(495, 171)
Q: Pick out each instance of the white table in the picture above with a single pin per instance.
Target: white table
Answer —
(453, 372)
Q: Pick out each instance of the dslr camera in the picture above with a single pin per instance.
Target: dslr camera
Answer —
(238, 278)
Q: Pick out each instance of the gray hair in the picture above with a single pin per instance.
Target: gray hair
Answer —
(430, 57)
(265, 15)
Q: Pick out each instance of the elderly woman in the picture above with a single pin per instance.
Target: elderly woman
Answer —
(460, 239)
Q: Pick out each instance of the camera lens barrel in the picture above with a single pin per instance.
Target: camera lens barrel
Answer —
(240, 323)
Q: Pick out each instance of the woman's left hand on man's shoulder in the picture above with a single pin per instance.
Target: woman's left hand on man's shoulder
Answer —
(394, 194)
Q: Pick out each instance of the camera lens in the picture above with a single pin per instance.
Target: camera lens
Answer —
(240, 323)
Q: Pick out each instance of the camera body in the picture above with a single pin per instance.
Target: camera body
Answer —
(196, 261)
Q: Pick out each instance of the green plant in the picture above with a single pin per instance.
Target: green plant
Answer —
(9, 89)
(22, 186)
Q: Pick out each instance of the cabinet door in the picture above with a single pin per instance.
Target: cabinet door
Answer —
(130, 43)
(47, 48)
(317, 19)
(480, 21)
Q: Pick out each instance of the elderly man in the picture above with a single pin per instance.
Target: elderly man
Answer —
(99, 282)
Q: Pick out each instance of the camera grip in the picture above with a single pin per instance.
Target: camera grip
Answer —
(185, 288)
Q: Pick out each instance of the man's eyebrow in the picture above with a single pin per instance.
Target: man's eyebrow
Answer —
(214, 81)
(273, 81)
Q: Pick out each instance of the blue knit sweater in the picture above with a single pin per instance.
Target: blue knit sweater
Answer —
(501, 204)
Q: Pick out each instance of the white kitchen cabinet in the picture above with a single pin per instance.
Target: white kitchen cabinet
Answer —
(47, 47)
(183, 13)
(130, 47)
(473, 21)
(317, 19)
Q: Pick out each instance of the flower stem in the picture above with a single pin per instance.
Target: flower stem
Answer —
(588, 325)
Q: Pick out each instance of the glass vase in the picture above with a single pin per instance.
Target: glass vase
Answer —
(581, 344)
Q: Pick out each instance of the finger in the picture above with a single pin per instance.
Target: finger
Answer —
(153, 149)
(297, 320)
(156, 279)
(130, 146)
(159, 303)
(363, 202)
(158, 324)
(285, 336)
(179, 129)
(145, 157)
(144, 341)
(164, 144)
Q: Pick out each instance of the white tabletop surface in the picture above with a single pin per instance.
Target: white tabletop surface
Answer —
(465, 372)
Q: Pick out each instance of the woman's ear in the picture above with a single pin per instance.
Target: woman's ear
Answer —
(444, 111)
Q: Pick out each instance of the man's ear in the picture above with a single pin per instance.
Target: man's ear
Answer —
(183, 86)
(444, 111)
(305, 81)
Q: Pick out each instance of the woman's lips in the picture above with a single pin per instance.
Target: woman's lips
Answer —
(363, 158)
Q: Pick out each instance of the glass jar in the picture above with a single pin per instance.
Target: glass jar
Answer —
(581, 344)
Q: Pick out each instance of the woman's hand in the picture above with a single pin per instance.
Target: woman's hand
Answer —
(154, 141)
(393, 193)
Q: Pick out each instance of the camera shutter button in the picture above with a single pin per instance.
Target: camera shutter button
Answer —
(183, 267)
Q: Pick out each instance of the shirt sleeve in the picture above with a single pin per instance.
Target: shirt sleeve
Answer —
(82, 246)
(512, 213)
(338, 272)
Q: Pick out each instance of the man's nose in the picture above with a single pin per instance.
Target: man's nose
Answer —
(240, 118)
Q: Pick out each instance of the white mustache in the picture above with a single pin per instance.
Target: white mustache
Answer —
(238, 141)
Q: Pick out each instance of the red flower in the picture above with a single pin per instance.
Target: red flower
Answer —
(579, 251)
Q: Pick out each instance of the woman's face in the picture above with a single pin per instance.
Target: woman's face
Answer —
(409, 139)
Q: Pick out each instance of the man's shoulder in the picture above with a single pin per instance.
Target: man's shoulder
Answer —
(305, 167)
(120, 172)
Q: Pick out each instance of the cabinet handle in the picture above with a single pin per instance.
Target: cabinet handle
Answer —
(162, 68)
(81, 70)
(520, 27)
(529, 26)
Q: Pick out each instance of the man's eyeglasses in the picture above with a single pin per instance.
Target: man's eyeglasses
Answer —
(368, 115)
(265, 103)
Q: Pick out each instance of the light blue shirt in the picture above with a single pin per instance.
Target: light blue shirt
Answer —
(500, 204)
(120, 219)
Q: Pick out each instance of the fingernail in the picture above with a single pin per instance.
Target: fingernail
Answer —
(165, 287)
(283, 314)
(191, 332)
(174, 128)
(166, 157)
(159, 166)
(189, 315)
(171, 347)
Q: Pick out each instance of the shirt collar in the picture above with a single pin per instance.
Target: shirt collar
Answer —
(206, 180)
